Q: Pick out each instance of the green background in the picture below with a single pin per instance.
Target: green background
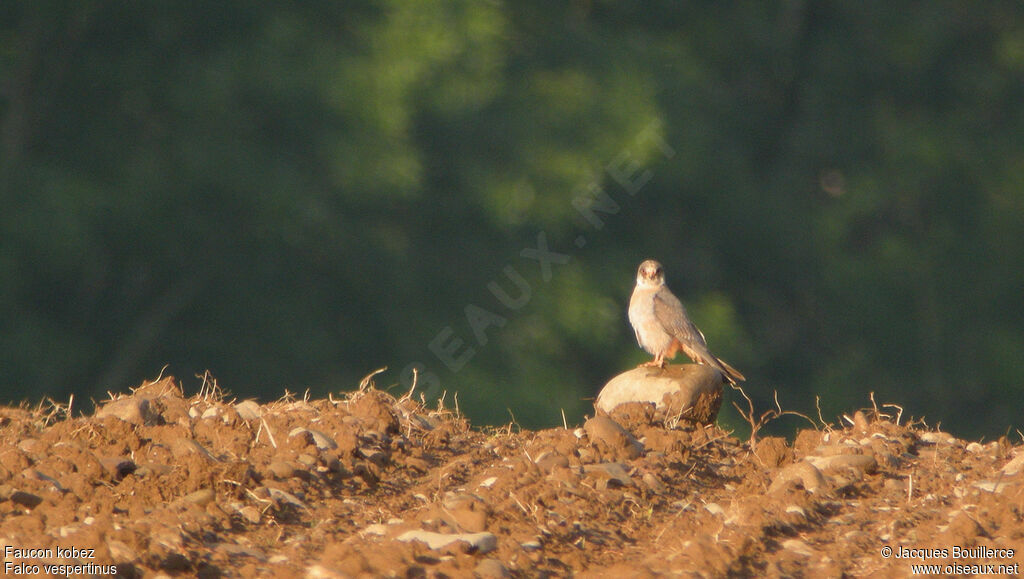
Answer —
(294, 194)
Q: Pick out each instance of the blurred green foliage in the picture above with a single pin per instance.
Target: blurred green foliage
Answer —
(294, 194)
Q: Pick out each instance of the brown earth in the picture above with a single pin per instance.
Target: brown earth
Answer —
(368, 485)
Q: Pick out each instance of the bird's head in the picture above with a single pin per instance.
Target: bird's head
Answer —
(650, 274)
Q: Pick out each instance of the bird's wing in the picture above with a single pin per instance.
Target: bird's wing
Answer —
(670, 312)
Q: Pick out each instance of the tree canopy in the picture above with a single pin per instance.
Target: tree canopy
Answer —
(292, 195)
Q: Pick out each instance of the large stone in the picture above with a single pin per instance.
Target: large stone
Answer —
(612, 438)
(248, 410)
(130, 409)
(152, 403)
(801, 473)
(475, 542)
(690, 391)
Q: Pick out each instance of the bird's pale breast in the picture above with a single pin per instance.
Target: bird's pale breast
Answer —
(650, 334)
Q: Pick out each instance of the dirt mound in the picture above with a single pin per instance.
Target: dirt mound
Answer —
(370, 485)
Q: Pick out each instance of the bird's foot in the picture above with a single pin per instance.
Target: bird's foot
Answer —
(653, 364)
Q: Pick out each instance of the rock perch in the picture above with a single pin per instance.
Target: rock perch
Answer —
(693, 391)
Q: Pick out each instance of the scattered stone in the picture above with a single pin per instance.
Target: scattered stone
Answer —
(281, 470)
(938, 437)
(120, 552)
(607, 434)
(185, 446)
(281, 496)
(491, 569)
(31, 446)
(376, 529)
(34, 474)
(798, 547)
(802, 473)
(306, 460)
(118, 467)
(607, 473)
(248, 410)
(25, 499)
(131, 409)
(374, 455)
(990, 486)
(895, 485)
(319, 439)
(322, 441)
(468, 512)
(417, 464)
(250, 513)
(201, 497)
(153, 469)
(241, 551)
(549, 461)
(714, 509)
(322, 572)
(477, 542)
(862, 462)
(1015, 465)
(423, 422)
(654, 484)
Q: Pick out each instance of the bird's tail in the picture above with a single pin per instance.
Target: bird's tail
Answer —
(731, 374)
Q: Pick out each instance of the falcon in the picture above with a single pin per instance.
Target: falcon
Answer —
(662, 326)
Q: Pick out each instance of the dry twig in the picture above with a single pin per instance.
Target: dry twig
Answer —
(756, 424)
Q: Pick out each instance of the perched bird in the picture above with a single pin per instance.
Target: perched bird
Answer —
(662, 327)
